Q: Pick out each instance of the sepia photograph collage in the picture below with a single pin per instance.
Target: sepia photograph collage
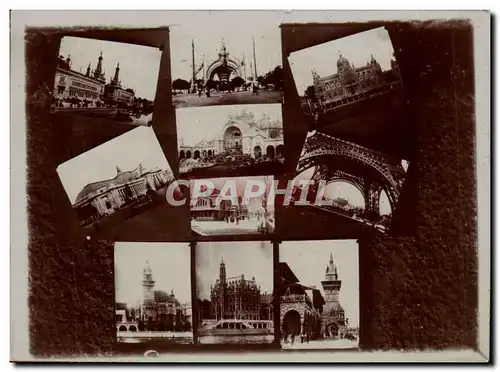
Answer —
(248, 183)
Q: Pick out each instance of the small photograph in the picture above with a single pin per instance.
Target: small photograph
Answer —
(105, 79)
(319, 294)
(230, 141)
(356, 186)
(153, 293)
(118, 180)
(234, 289)
(352, 87)
(218, 66)
(232, 206)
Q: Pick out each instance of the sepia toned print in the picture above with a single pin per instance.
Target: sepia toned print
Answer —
(153, 293)
(90, 81)
(319, 311)
(232, 206)
(111, 183)
(216, 66)
(235, 140)
(352, 88)
(234, 283)
(349, 181)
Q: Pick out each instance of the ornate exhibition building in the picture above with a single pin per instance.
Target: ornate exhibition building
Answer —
(158, 310)
(236, 303)
(351, 81)
(304, 309)
(89, 89)
(102, 198)
(243, 134)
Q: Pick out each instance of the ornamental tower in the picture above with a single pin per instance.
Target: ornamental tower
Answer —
(98, 73)
(116, 79)
(331, 286)
(148, 285)
(222, 289)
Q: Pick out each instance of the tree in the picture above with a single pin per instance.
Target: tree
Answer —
(180, 84)
(310, 93)
(261, 80)
(237, 82)
(211, 84)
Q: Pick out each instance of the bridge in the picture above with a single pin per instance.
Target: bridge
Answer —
(337, 160)
(237, 324)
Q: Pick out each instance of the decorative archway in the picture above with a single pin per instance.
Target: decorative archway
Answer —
(188, 154)
(280, 151)
(196, 154)
(122, 328)
(291, 322)
(332, 330)
(205, 153)
(270, 152)
(132, 328)
(257, 152)
(182, 154)
(209, 153)
(232, 138)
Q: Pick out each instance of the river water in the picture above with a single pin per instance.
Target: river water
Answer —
(236, 339)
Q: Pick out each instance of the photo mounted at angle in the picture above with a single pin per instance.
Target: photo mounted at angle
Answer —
(225, 63)
(352, 88)
(354, 186)
(153, 295)
(118, 184)
(234, 290)
(232, 206)
(107, 80)
(230, 141)
(319, 309)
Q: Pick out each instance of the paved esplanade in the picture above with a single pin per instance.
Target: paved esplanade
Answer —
(226, 98)
(320, 344)
(223, 227)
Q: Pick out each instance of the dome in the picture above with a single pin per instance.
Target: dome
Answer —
(120, 179)
(343, 62)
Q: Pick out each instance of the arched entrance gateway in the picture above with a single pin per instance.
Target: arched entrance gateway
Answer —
(270, 152)
(232, 138)
(257, 152)
(291, 323)
(221, 71)
(197, 154)
(332, 330)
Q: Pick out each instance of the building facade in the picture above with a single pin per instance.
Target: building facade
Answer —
(304, 310)
(159, 310)
(243, 134)
(69, 84)
(238, 298)
(102, 198)
(351, 81)
(116, 94)
(90, 89)
(333, 319)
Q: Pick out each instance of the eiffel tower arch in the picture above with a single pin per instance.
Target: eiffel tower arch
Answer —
(369, 171)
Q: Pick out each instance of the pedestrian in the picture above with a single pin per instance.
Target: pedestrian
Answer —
(293, 337)
(302, 338)
(308, 337)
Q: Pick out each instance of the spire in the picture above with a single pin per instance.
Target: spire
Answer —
(331, 257)
(116, 79)
(172, 293)
(88, 70)
(118, 171)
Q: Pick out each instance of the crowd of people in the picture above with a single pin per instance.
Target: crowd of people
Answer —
(290, 338)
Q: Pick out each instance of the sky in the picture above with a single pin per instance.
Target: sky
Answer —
(100, 163)
(139, 65)
(309, 259)
(170, 265)
(346, 191)
(197, 123)
(251, 258)
(237, 34)
(356, 48)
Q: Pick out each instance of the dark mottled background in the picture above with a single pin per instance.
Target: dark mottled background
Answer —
(416, 292)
